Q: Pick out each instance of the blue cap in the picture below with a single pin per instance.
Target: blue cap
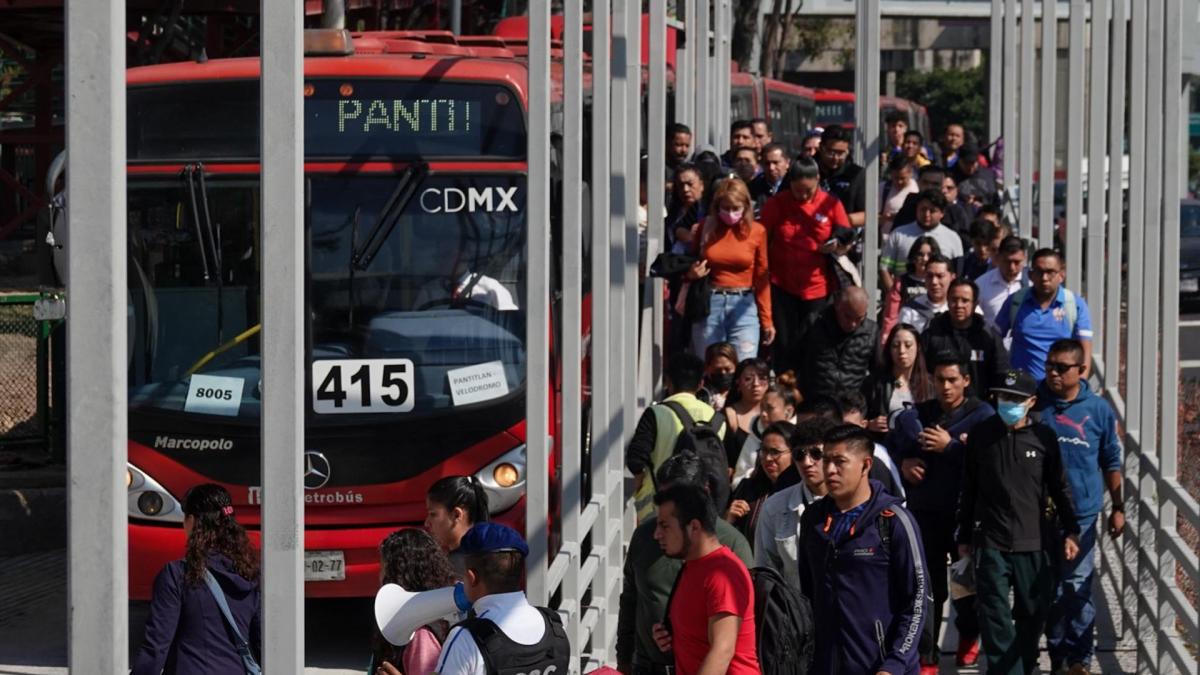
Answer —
(492, 538)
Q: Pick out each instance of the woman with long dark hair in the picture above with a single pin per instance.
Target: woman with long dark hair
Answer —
(900, 381)
(187, 631)
(415, 561)
(452, 505)
(775, 470)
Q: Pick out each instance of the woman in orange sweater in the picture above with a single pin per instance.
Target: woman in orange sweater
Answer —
(733, 249)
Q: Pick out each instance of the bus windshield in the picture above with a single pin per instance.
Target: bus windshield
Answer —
(834, 112)
(434, 321)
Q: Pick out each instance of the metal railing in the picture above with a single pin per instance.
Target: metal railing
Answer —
(584, 574)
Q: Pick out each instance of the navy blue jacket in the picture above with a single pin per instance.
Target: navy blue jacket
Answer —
(1087, 440)
(943, 470)
(871, 602)
(186, 633)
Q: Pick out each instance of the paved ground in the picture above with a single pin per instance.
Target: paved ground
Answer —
(33, 626)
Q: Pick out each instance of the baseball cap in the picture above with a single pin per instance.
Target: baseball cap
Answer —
(1016, 383)
(485, 538)
(968, 153)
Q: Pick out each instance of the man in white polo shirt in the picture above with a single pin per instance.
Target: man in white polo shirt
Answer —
(1006, 277)
(504, 634)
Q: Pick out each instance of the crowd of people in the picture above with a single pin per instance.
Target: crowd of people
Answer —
(818, 484)
(944, 452)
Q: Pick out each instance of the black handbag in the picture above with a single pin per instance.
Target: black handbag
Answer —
(671, 265)
(699, 299)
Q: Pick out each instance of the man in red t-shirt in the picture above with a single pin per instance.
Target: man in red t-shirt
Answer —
(710, 616)
(804, 227)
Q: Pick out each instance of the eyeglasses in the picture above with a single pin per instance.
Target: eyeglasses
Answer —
(1061, 368)
(814, 452)
(773, 453)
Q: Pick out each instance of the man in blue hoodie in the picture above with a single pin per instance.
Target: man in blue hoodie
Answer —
(1091, 450)
(861, 565)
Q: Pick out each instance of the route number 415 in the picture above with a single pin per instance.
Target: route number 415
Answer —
(362, 386)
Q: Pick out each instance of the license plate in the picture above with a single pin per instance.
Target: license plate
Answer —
(324, 566)
(1189, 285)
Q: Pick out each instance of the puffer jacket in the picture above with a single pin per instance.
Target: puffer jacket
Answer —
(835, 361)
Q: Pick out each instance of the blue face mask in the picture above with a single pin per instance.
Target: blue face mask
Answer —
(1012, 412)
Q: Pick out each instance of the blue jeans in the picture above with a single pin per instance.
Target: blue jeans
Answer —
(1071, 627)
(731, 318)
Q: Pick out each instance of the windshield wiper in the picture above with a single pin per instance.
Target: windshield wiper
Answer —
(205, 232)
(406, 187)
(353, 253)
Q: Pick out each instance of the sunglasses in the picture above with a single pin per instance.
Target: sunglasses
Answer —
(1061, 368)
(814, 452)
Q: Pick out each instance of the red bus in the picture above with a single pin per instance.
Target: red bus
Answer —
(415, 271)
(836, 108)
(790, 108)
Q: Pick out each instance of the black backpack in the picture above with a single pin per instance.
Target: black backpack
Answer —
(704, 440)
(784, 626)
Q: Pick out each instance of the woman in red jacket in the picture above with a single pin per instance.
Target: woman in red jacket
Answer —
(732, 248)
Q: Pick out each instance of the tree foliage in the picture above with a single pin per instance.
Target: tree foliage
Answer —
(950, 96)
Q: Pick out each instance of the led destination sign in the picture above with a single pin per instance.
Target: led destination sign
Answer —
(343, 118)
(414, 116)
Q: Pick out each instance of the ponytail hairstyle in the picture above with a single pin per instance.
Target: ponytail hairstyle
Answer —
(214, 530)
(785, 386)
(465, 492)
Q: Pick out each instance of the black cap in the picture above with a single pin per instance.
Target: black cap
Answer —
(1016, 383)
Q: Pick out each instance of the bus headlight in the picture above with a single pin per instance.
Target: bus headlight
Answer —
(504, 480)
(148, 500)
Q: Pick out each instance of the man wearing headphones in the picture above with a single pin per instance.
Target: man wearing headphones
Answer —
(504, 634)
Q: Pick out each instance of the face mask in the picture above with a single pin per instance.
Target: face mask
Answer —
(731, 217)
(1012, 412)
(720, 381)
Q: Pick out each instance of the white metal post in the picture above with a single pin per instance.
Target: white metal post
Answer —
(721, 65)
(1148, 595)
(571, 251)
(866, 112)
(655, 180)
(1116, 196)
(1012, 150)
(537, 302)
(685, 72)
(283, 439)
(97, 432)
(1174, 104)
(1137, 200)
(995, 72)
(619, 311)
(633, 145)
(1047, 106)
(1099, 170)
(605, 436)
(698, 29)
(1075, 112)
(1028, 87)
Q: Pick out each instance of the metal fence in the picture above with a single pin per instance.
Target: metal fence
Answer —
(24, 373)
(584, 574)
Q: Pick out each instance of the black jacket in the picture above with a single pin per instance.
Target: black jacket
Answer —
(1009, 477)
(954, 217)
(978, 345)
(943, 470)
(835, 361)
(849, 185)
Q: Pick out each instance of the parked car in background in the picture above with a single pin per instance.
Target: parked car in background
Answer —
(1189, 250)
